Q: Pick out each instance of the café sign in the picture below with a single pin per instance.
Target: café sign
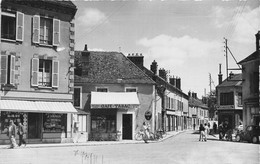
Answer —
(106, 106)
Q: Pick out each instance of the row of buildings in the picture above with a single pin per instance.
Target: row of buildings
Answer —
(238, 95)
(63, 95)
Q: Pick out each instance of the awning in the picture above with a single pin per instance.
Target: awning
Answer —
(36, 106)
(123, 100)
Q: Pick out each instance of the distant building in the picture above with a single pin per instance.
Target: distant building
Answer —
(171, 103)
(229, 100)
(250, 86)
(118, 95)
(37, 58)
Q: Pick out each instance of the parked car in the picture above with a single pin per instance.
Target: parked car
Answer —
(251, 134)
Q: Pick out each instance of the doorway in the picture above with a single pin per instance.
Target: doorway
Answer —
(34, 125)
(127, 127)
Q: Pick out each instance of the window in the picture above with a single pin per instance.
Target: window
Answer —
(254, 83)
(45, 73)
(77, 96)
(103, 123)
(240, 103)
(130, 89)
(227, 98)
(102, 89)
(12, 25)
(46, 31)
(7, 69)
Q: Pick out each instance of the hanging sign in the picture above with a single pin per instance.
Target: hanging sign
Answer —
(148, 115)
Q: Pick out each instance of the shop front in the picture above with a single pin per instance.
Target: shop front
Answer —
(45, 122)
(112, 115)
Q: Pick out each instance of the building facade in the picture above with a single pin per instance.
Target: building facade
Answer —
(229, 101)
(37, 58)
(250, 86)
(118, 96)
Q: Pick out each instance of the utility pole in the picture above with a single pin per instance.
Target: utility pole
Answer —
(226, 51)
(210, 84)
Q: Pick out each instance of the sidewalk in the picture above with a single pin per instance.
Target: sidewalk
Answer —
(92, 143)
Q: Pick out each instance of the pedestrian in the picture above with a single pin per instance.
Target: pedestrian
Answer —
(146, 132)
(215, 128)
(11, 133)
(221, 131)
(202, 132)
(21, 133)
(206, 131)
(194, 125)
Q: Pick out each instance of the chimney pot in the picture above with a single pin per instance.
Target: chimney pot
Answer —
(86, 47)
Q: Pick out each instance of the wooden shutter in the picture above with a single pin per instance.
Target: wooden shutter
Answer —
(36, 29)
(56, 32)
(55, 73)
(35, 68)
(4, 66)
(19, 26)
(12, 69)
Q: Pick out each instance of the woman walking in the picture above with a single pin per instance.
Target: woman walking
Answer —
(202, 133)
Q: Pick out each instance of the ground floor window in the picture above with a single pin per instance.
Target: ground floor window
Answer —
(7, 116)
(54, 122)
(103, 123)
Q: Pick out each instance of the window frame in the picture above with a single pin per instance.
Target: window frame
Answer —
(126, 88)
(225, 98)
(102, 88)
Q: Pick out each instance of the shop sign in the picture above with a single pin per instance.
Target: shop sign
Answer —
(124, 106)
(148, 115)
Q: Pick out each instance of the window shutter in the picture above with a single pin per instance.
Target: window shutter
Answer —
(56, 32)
(35, 68)
(12, 69)
(19, 26)
(55, 73)
(36, 29)
(4, 65)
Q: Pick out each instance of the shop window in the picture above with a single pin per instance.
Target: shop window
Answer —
(46, 31)
(99, 89)
(55, 123)
(103, 123)
(7, 69)
(77, 96)
(7, 116)
(227, 98)
(12, 25)
(130, 89)
(45, 73)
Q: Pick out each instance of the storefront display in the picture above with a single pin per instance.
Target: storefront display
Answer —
(54, 122)
(15, 116)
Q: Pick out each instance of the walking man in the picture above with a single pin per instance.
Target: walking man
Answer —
(11, 133)
(21, 133)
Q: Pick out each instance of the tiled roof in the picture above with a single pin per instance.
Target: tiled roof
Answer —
(65, 3)
(253, 56)
(236, 80)
(108, 68)
(197, 103)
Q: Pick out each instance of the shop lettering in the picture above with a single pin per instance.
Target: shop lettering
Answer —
(115, 106)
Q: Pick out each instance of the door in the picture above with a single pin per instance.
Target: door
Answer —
(127, 126)
(34, 125)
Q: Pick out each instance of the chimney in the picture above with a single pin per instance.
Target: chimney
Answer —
(172, 81)
(257, 36)
(193, 95)
(85, 52)
(138, 60)
(154, 67)
(86, 47)
(219, 75)
(162, 74)
(189, 93)
(178, 83)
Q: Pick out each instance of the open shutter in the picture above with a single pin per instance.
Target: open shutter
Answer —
(12, 69)
(55, 73)
(36, 29)
(4, 66)
(19, 26)
(35, 68)
(56, 32)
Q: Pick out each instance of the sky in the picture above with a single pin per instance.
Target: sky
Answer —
(185, 37)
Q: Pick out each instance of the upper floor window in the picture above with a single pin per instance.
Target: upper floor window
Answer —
(102, 89)
(77, 96)
(46, 31)
(45, 73)
(7, 69)
(12, 25)
(239, 96)
(130, 89)
(227, 98)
